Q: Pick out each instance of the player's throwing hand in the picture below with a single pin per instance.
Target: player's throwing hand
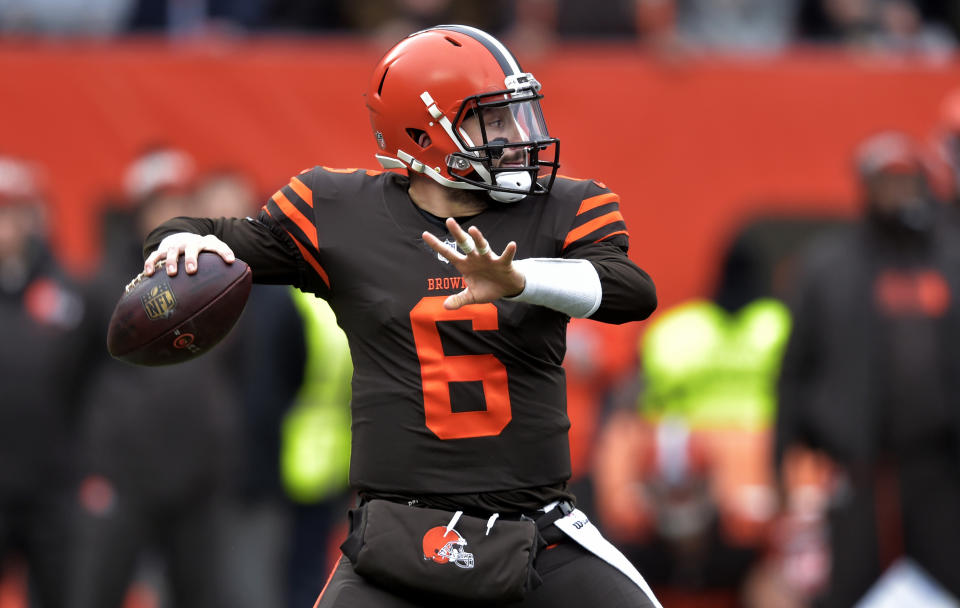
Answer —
(487, 276)
(190, 245)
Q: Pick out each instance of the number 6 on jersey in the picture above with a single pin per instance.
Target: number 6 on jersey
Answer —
(438, 370)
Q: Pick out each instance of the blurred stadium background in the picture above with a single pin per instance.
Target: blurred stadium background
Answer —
(714, 120)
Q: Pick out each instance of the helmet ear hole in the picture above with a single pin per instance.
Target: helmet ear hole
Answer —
(382, 79)
(419, 137)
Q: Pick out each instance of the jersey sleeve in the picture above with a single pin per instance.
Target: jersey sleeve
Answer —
(291, 208)
(628, 291)
(597, 219)
(598, 233)
(261, 243)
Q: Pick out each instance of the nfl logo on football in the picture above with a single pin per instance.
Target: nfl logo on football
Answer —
(159, 302)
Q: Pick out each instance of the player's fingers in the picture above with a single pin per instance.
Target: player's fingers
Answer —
(150, 264)
(508, 252)
(466, 245)
(483, 247)
(464, 240)
(437, 245)
(457, 300)
(454, 228)
(190, 252)
(212, 243)
(433, 242)
(172, 258)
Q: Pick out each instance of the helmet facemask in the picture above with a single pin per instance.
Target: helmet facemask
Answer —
(504, 143)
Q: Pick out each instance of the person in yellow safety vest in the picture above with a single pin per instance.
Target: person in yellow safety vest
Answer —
(315, 449)
(715, 369)
(695, 492)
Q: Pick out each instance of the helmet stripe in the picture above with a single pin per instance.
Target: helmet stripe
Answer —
(503, 56)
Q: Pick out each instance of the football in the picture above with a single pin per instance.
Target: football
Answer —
(161, 320)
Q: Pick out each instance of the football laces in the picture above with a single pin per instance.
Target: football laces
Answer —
(139, 279)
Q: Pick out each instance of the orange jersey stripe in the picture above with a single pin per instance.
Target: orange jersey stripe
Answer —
(313, 262)
(606, 236)
(305, 193)
(296, 217)
(370, 172)
(306, 255)
(347, 170)
(595, 201)
(594, 224)
(582, 179)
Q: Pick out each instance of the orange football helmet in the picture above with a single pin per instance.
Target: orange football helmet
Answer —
(435, 87)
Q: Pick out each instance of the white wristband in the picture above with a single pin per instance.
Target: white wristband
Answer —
(570, 286)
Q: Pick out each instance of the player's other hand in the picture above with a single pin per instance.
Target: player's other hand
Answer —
(188, 244)
(487, 276)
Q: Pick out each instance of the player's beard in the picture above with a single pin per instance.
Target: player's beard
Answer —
(472, 199)
(480, 199)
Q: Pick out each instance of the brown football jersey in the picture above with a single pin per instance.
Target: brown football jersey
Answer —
(444, 401)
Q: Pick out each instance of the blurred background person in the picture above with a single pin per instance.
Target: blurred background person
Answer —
(158, 445)
(672, 28)
(903, 27)
(944, 152)
(868, 377)
(719, 26)
(745, 26)
(684, 476)
(547, 20)
(197, 17)
(315, 453)
(98, 18)
(263, 358)
(41, 365)
(387, 21)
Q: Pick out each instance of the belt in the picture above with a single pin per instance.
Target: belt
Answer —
(549, 514)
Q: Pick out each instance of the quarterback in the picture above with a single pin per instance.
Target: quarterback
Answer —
(454, 279)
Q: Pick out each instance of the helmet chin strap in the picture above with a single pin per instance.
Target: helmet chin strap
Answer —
(515, 180)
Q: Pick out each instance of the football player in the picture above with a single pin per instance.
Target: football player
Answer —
(454, 282)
